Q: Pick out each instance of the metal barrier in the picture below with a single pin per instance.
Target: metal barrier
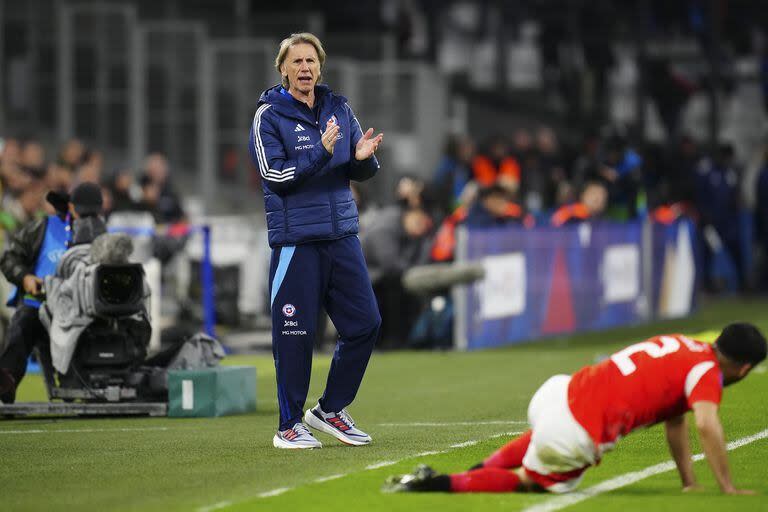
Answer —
(167, 98)
(233, 72)
(96, 75)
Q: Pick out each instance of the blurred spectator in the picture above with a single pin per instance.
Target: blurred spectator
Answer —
(71, 154)
(718, 201)
(496, 164)
(168, 204)
(15, 180)
(454, 171)
(26, 206)
(120, 188)
(408, 191)
(543, 174)
(678, 183)
(444, 245)
(32, 157)
(586, 167)
(60, 177)
(367, 210)
(522, 143)
(396, 240)
(91, 167)
(761, 219)
(9, 154)
(591, 206)
(622, 171)
(150, 197)
(495, 207)
(552, 161)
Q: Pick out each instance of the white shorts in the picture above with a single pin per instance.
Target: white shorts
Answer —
(559, 444)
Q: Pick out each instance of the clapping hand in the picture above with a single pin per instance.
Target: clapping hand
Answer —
(366, 146)
(330, 136)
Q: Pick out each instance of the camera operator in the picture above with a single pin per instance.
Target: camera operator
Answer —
(32, 254)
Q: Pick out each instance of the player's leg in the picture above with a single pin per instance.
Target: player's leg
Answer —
(425, 479)
(24, 332)
(488, 479)
(510, 455)
(560, 449)
(351, 304)
(295, 294)
(556, 451)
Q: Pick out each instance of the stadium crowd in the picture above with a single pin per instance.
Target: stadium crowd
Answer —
(27, 172)
(529, 178)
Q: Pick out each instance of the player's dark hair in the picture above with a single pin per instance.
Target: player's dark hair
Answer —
(742, 343)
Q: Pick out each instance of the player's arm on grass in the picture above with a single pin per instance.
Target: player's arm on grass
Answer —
(680, 448)
(712, 440)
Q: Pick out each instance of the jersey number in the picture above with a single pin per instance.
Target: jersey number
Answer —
(623, 358)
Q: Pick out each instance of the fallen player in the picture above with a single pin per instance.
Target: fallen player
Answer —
(576, 419)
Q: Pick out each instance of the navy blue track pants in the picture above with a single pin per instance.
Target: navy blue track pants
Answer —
(304, 278)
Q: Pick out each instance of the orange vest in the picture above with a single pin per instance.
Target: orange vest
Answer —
(486, 173)
(445, 239)
(564, 214)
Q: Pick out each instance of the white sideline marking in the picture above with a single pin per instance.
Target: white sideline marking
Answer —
(505, 434)
(453, 424)
(464, 444)
(329, 478)
(428, 452)
(274, 492)
(78, 430)
(215, 506)
(384, 463)
(567, 500)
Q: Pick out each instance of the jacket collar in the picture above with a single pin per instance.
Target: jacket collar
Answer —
(287, 105)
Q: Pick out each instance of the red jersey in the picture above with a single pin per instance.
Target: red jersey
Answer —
(643, 384)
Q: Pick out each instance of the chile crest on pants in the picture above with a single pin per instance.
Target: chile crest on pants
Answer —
(289, 310)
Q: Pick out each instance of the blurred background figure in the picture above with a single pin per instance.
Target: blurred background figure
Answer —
(396, 240)
(167, 203)
(495, 207)
(454, 171)
(495, 164)
(591, 206)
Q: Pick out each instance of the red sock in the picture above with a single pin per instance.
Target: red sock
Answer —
(485, 480)
(511, 454)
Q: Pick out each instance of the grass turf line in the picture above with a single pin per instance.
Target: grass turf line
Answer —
(206, 462)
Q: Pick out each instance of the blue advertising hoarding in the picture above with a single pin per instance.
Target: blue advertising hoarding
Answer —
(549, 281)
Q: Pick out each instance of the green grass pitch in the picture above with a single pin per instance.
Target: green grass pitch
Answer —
(460, 405)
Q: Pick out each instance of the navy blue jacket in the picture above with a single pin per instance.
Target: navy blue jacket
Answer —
(306, 189)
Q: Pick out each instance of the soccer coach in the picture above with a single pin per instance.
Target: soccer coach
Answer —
(308, 145)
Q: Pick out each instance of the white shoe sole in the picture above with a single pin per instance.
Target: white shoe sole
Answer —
(277, 442)
(312, 420)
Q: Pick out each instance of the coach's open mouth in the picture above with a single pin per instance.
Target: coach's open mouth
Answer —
(305, 80)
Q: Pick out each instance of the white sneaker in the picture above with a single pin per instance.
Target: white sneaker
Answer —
(338, 424)
(296, 437)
